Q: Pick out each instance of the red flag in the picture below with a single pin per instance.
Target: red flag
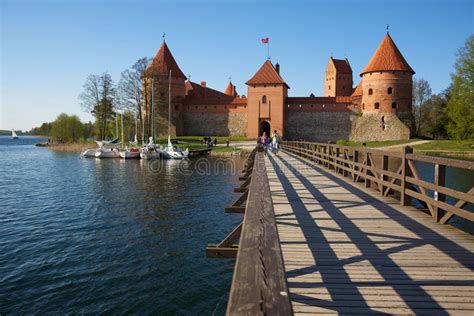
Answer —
(265, 40)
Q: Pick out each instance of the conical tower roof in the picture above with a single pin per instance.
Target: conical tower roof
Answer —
(267, 74)
(163, 62)
(387, 57)
(230, 90)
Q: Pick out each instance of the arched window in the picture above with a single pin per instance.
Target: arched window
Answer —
(376, 105)
(371, 91)
(264, 99)
(389, 90)
(329, 88)
(394, 105)
(363, 106)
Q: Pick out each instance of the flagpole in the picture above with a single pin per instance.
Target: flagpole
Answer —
(268, 50)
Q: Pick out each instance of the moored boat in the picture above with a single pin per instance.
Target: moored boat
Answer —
(14, 135)
(132, 153)
(107, 153)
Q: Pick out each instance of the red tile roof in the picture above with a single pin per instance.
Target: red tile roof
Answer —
(162, 63)
(387, 57)
(198, 94)
(230, 90)
(358, 90)
(342, 66)
(267, 74)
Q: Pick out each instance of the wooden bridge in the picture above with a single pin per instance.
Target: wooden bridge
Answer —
(331, 229)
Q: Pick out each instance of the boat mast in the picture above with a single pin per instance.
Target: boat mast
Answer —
(121, 123)
(169, 106)
(116, 125)
(153, 108)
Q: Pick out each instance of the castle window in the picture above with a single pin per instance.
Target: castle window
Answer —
(343, 87)
(176, 107)
(376, 105)
(394, 105)
(264, 99)
(363, 106)
(329, 88)
(371, 91)
(389, 90)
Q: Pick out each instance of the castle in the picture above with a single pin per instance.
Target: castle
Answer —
(378, 108)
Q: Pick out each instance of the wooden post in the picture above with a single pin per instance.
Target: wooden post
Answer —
(384, 168)
(405, 200)
(367, 165)
(439, 181)
(337, 157)
(355, 159)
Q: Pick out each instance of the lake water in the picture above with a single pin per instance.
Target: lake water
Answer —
(111, 236)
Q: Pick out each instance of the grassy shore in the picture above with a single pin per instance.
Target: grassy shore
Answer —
(190, 142)
(446, 145)
(375, 144)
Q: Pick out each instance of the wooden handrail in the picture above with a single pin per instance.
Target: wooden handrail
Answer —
(259, 284)
(361, 164)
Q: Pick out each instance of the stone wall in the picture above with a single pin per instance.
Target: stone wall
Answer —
(371, 127)
(318, 126)
(346, 125)
(215, 123)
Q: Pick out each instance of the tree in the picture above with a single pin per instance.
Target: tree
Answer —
(67, 128)
(132, 92)
(98, 98)
(421, 93)
(460, 106)
(435, 118)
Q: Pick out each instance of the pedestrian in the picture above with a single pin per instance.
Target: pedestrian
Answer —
(275, 142)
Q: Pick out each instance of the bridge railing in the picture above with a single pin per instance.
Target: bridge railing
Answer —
(259, 283)
(394, 173)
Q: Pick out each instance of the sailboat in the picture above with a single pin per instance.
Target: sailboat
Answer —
(14, 135)
(132, 152)
(170, 152)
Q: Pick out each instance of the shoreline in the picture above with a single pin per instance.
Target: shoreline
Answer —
(78, 148)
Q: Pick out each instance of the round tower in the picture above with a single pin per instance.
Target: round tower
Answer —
(387, 81)
(162, 76)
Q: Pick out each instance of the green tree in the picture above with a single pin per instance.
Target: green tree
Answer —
(421, 93)
(67, 129)
(98, 98)
(460, 108)
(435, 118)
(133, 93)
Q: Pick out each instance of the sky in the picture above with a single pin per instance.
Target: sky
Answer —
(48, 47)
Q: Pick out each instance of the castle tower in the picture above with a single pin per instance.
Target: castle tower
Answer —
(267, 92)
(230, 90)
(387, 81)
(157, 76)
(338, 78)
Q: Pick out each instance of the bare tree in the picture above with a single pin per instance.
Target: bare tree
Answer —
(132, 92)
(98, 98)
(421, 93)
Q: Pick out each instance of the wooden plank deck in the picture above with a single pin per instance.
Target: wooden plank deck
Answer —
(348, 250)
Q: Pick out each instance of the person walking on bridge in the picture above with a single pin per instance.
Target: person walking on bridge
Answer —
(275, 142)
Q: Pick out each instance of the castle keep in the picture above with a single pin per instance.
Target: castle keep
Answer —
(378, 108)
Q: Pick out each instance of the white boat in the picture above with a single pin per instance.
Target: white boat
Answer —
(150, 151)
(107, 153)
(14, 135)
(132, 153)
(90, 152)
(171, 152)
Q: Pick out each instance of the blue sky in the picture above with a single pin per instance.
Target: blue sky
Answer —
(49, 47)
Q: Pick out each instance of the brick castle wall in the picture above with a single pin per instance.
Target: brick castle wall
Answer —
(215, 123)
(345, 125)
